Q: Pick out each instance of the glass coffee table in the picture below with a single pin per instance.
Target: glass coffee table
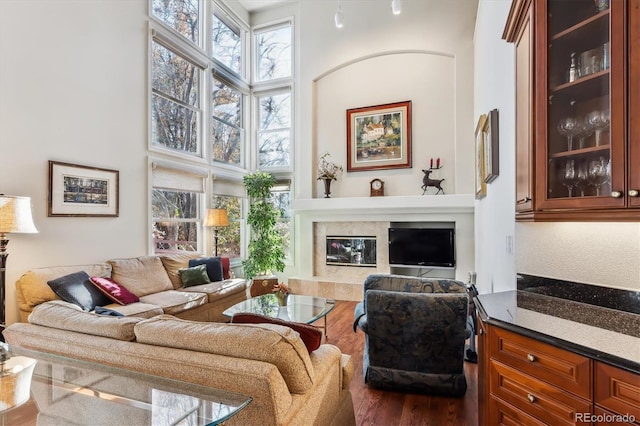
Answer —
(69, 391)
(299, 308)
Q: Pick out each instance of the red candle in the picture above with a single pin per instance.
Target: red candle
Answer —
(438, 163)
(431, 164)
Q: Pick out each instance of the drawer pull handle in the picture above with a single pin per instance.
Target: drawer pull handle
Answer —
(531, 398)
(531, 358)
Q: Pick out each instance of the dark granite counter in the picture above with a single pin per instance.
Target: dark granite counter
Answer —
(571, 318)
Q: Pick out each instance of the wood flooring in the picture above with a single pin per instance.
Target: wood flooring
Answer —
(386, 408)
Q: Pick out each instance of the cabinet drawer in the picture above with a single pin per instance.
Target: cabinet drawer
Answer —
(542, 400)
(502, 413)
(617, 390)
(564, 369)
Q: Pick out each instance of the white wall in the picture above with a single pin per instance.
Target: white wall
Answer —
(606, 254)
(73, 89)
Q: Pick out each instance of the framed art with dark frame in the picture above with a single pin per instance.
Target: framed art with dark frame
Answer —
(491, 147)
(76, 190)
(481, 186)
(379, 137)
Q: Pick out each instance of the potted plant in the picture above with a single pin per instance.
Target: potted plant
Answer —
(328, 171)
(266, 245)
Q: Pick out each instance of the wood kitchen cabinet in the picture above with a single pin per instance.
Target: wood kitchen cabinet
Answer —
(577, 109)
(523, 381)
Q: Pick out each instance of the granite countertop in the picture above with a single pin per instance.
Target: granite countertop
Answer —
(609, 333)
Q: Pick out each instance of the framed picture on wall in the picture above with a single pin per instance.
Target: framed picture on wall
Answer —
(491, 147)
(379, 137)
(481, 185)
(76, 190)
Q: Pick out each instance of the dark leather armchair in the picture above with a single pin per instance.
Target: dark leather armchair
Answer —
(415, 333)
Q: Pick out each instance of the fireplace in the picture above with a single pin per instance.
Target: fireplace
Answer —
(351, 251)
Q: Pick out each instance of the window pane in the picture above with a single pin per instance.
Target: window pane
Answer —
(174, 126)
(229, 236)
(227, 45)
(274, 54)
(181, 15)
(175, 224)
(227, 103)
(282, 201)
(174, 76)
(274, 149)
(275, 111)
(226, 143)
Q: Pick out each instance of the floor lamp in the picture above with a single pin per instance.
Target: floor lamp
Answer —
(216, 219)
(15, 217)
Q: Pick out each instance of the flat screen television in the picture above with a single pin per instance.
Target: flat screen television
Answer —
(422, 247)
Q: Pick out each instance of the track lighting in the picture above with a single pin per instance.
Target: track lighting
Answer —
(396, 7)
(338, 18)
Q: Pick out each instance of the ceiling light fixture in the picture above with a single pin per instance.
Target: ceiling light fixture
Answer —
(396, 7)
(338, 18)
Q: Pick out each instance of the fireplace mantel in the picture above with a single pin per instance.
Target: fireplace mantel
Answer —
(457, 203)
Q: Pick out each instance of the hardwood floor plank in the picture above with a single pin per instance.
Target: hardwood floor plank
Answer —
(374, 407)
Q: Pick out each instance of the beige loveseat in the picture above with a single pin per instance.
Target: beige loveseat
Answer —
(267, 362)
(154, 279)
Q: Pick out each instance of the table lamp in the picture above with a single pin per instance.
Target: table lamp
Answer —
(15, 217)
(216, 218)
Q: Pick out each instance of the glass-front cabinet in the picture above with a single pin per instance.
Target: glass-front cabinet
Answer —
(585, 130)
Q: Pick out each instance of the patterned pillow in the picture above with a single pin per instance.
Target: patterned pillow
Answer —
(310, 335)
(114, 291)
(196, 275)
(78, 289)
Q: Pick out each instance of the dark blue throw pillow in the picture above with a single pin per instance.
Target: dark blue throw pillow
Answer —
(214, 267)
(78, 289)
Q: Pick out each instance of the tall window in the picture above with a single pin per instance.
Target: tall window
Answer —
(281, 198)
(227, 123)
(175, 205)
(229, 241)
(274, 130)
(273, 52)
(227, 44)
(180, 15)
(175, 105)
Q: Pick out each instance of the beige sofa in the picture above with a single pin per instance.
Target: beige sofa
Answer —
(267, 362)
(154, 279)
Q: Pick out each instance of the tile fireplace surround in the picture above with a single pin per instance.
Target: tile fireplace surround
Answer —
(371, 216)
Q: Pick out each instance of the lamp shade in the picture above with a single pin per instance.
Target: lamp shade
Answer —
(15, 215)
(216, 217)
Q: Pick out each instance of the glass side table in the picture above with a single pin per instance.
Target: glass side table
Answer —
(70, 391)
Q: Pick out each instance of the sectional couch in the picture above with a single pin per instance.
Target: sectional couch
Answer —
(171, 333)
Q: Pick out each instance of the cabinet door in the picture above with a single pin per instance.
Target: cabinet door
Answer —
(634, 103)
(483, 372)
(581, 105)
(525, 170)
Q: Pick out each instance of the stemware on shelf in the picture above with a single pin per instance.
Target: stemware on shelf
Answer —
(582, 178)
(585, 129)
(598, 173)
(568, 127)
(569, 176)
(599, 120)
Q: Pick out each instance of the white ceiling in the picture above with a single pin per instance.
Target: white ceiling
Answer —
(253, 5)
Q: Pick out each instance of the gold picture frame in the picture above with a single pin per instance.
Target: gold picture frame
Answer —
(481, 185)
(379, 137)
(491, 147)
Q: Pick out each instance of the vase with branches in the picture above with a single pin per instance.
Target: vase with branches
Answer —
(266, 246)
(328, 171)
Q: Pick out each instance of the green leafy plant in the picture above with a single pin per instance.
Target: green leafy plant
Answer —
(266, 245)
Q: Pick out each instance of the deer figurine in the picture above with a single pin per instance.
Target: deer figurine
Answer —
(427, 182)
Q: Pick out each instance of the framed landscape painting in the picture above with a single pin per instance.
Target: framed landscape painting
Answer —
(491, 147)
(76, 190)
(379, 137)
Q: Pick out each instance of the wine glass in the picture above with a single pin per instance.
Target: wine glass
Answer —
(582, 178)
(568, 127)
(585, 129)
(598, 173)
(599, 120)
(569, 176)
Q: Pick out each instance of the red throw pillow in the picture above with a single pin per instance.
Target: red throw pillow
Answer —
(310, 335)
(226, 267)
(114, 290)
